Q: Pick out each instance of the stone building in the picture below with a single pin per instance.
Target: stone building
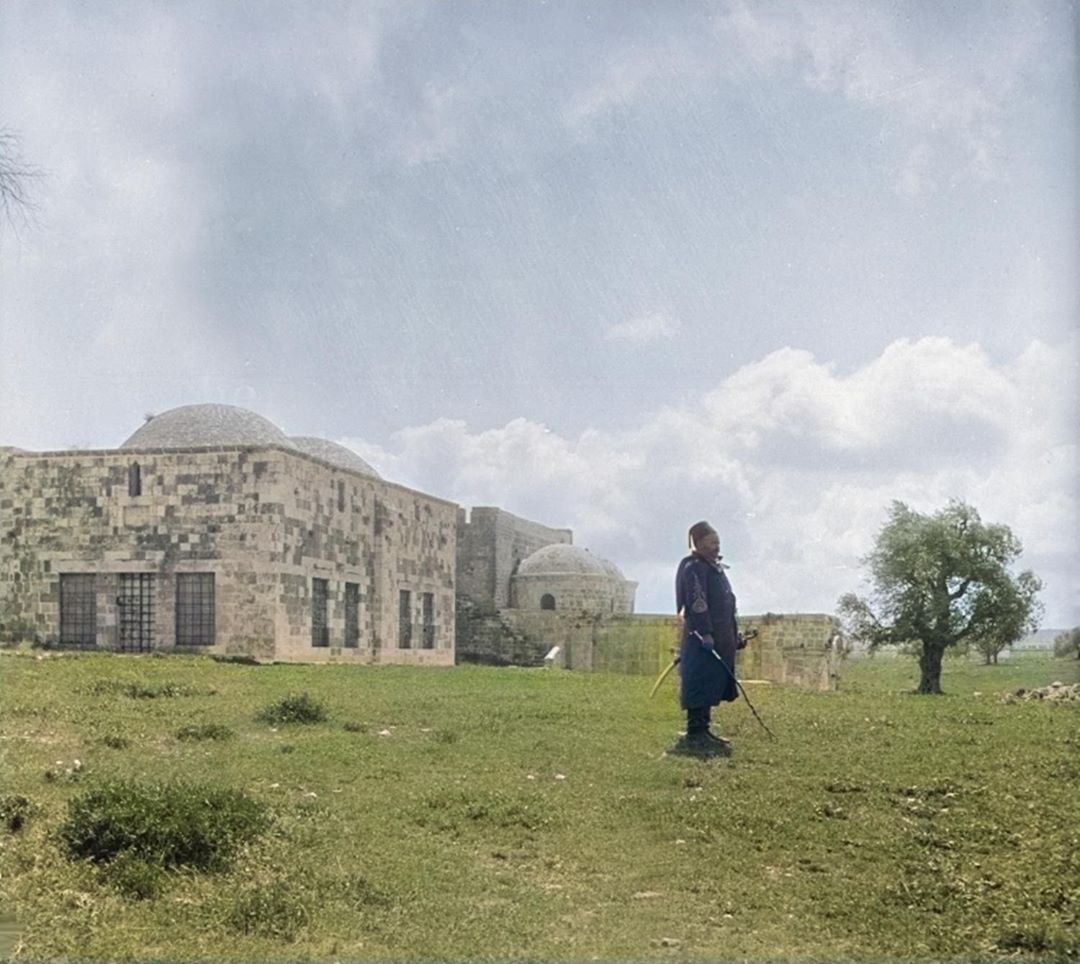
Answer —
(491, 546)
(566, 577)
(211, 530)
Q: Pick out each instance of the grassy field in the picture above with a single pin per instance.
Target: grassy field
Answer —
(479, 812)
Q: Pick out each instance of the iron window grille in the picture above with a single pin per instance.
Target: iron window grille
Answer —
(320, 629)
(352, 615)
(195, 609)
(405, 619)
(428, 602)
(78, 610)
(137, 616)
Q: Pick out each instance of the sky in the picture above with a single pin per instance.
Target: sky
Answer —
(617, 266)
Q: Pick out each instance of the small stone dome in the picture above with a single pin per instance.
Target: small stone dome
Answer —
(332, 452)
(561, 559)
(195, 426)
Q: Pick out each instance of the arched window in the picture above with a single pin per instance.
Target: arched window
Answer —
(134, 479)
(547, 601)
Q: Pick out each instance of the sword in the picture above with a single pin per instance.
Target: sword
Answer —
(663, 676)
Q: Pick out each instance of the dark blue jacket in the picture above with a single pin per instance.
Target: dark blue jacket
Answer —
(703, 595)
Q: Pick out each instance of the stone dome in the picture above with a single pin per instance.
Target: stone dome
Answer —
(196, 426)
(610, 568)
(559, 560)
(332, 452)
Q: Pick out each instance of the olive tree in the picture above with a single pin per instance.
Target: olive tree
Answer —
(942, 580)
(1068, 643)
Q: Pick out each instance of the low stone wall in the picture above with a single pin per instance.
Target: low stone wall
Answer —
(802, 649)
(797, 649)
(491, 640)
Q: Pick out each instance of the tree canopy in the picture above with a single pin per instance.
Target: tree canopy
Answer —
(940, 580)
(1068, 643)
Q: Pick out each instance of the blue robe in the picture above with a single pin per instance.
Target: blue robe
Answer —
(703, 595)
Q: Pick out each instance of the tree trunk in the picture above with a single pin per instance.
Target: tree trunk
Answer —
(930, 669)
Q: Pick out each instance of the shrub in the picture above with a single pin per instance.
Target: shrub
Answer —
(168, 824)
(207, 731)
(135, 877)
(273, 911)
(115, 742)
(353, 727)
(294, 709)
(138, 691)
(15, 810)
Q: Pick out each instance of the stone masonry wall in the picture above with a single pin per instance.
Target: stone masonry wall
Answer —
(199, 511)
(491, 544)
(265, 521)
(796, 649)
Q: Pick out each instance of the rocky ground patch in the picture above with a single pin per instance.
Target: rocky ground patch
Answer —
(1056, 692)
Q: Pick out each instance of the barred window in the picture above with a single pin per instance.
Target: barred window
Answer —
(547, 601)
(352, 615)
(341, 496)
(404, 619)
(428, 602)
(320, 629)
(195, 609)
(78, 609)
(138, 620)
(134, 479)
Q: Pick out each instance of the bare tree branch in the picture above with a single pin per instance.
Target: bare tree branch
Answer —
(16, 178)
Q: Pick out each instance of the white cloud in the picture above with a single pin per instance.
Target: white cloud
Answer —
(433, 132)
(627, 76)
(795, 464)
(859, 52)
(645, 329)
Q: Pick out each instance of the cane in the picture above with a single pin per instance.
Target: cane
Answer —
(738, 685)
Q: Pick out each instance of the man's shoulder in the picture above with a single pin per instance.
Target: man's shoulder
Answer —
(695, 563)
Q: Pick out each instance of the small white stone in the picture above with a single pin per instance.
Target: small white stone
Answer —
(560, 776)
(384, 732)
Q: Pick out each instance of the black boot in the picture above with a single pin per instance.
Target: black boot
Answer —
(720, 741)
(698, 741)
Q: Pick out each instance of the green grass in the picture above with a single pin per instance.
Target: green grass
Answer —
(482, 812)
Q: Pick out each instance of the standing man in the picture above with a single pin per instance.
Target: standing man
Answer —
(704, 598)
